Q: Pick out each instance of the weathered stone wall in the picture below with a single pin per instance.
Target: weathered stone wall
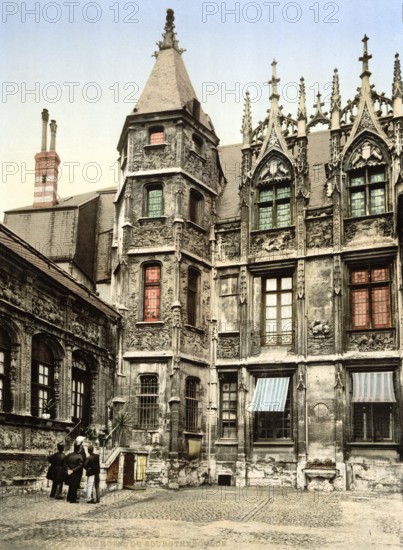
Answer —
(320, 325)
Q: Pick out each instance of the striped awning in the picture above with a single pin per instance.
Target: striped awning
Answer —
(270, 395)
(373, 387)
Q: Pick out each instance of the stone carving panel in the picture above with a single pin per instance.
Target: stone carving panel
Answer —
(84, 328)
(43, 440)
(228, 347)
(161, 157)
(320, 337)
(228, 246)
(195, 241)
(320, 233)
(151, 233)
(273, 243)
(10, 288)
(11, 438)
(148, 338)
(371, 341)
(195, 342)
(47, 309)
(356, 231)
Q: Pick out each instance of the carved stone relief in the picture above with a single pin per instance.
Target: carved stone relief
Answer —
(320, 234)
(194, 342)
(195, 241)
(11, 438)
(10, 288)
(366, 155)
(273, 243)
(368, 230)
(153, 159)
(47, 309)
(372, 341)
(148, 338)
(151, 233)
(228, 347)
(228, 246)
(319, 328)
(84, 328)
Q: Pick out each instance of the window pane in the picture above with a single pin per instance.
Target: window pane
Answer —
(286, 283)
(2, 362)
(376, 178)
(380, 274)
(266, 195)
(271, 285)
(377, 201)
(286, 298)
(274, 425)
(265, 217)
(357, 180)
(152, 304)
(380, 307)
(283, 193)
(283, 215)
(229, 285)
(1, 394)
(358, 277)
(154, 203)
(358, 204)
(157, 137)
(360, 309)
(229, 410)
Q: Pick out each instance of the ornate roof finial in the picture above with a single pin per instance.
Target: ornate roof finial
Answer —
(319, 117)
(365, 58)
(397, 89)
(274, 81)
(335, 103)
(302, 105)
(169, 37)
(247, 120)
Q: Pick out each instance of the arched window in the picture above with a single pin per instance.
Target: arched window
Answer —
(156, 135)
(193, 296)
(154, 201)
(42, 376)
(80, 392)
(5, 349)
(152, 293)
(192, 398)
(147, 395)
(195, 207)
(367, 181)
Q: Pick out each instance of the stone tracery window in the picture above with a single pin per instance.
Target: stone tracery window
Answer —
(80, 392)
(42, 377)
(154, 201)
(152, 293)
(193, 293)
(370, 289)
(274, 195)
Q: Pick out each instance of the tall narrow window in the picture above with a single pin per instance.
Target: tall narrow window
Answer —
(370, 298)
(80, 392)
(192, 396)
(154, 201)
(271, 405)
(147, 402)
(42, 378)
(277, 322)
(229, 304)
(197, 144)
(374, 406)
(156, 136)
(228, 409)
(274, 207)
(152, 293)
(5, 348)
(367, 192)
(195, 207)
(193, 296)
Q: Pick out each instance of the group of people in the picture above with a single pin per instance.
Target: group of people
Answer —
(68, 469)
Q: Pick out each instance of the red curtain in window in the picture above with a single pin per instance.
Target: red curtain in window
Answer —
(152, 289)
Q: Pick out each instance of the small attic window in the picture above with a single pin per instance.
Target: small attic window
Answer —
(197, 144)
(156, 135)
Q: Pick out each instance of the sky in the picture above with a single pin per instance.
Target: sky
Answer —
(87, 62)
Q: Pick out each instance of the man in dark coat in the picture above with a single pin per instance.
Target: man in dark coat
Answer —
(93, 470)
(57, 471)
(74, 465)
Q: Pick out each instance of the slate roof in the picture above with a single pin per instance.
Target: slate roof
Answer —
(67, 202)
(13, 244)
(169, 88)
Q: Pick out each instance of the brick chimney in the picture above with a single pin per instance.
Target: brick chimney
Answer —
(46, 167)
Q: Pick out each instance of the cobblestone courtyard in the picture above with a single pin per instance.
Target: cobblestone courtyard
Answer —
(215, 517)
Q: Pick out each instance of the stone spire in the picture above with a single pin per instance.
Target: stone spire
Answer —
(335, 102)
(247, 120)
(302, 109)
(274, 135)
(169, 37)
(319, 117)
(397, 88)
(365, 58)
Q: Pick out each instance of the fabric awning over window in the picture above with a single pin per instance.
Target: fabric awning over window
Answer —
(373, 387)
(270, 395)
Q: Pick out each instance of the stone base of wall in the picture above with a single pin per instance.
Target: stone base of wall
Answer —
(375, 475)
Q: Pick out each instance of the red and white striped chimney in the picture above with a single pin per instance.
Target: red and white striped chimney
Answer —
(46, 167)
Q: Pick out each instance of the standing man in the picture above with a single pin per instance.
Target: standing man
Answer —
(93, 470)
(57, 462)
(74, 464)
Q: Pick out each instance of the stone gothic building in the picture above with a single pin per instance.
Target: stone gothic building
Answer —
(259, 286)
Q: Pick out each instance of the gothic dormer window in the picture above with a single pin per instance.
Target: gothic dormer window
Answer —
(273, 195)
(367, 182)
